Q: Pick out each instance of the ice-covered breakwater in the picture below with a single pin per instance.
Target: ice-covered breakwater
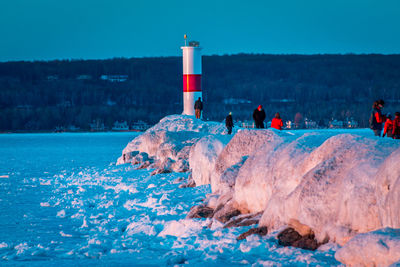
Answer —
(334, 184)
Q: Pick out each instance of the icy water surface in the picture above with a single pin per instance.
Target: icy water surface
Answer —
(63, 201)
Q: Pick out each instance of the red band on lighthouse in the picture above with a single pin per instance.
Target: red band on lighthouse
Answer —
(192, 83)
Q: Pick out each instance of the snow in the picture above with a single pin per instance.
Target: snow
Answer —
(336, 197)
(97, 213)
(388, 190)
(233, 156)
(203, 156)
(170, 136)
(181, 228)
(336, 183)
(377, 248)
(45, 204)
(72, 205)
(61, 214)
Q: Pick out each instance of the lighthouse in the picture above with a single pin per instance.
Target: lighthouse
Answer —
(191, 56)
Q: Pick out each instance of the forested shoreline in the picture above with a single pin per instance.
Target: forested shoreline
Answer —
(43, 95)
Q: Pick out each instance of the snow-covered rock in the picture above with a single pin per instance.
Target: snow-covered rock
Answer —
(378, 248)
(274, 169)
(169, 142)
(336, 198)
(388, 190)
(160, 145)
(234, 155)
(335, 184)
(181, 123)
(203, 156)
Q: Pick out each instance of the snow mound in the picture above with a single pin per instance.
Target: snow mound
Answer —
(388, 190)
(181, 228)
(233, 156)
(203, 156)
(274, 170)
(167, 144)
(179, 123)
(327, 181)
(336, 183)
(378, 248)
(336, 198)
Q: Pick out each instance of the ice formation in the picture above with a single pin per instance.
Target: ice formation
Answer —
(203, 156)
(82, 208)
(167, 144)
(338, 184)
(378, 248)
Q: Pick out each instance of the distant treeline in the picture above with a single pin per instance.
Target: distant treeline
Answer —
(42, 95)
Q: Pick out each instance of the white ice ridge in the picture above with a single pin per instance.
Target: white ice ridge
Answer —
(340, 183)
(170, 140)
(378, 248)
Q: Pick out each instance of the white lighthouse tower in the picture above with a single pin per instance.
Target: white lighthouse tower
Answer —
(191, 76)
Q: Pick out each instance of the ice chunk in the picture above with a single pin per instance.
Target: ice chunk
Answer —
(203, 156)
(378, 248)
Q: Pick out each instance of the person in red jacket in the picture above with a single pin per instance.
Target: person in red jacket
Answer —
(277, 122)
(396, 126)
(388, 129)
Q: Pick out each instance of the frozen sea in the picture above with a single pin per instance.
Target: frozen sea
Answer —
(63, 201)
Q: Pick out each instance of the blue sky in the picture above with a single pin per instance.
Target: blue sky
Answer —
(96, 29)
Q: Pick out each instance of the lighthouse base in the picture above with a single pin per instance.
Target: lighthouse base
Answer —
(189, 98)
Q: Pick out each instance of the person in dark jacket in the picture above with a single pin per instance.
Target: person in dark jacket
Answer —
(259, 117)
(377, 118)
(198, 107)
(388, 129)
(396, 126)
(229, 123)
(277, 122)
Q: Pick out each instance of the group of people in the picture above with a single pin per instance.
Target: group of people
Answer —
(258, 117)
(379, 121)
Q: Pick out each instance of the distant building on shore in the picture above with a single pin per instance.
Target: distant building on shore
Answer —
(351, 123)
(73, 128)
(335, 124)
(310, 124)
(120, 126)
(84, 77)
(236, 101)
(140, 126)
(97, 126)
(282, 100)
(114, 78)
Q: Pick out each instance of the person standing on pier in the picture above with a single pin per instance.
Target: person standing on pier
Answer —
(377, 119)
(198, 107)
(229, 123)
(259, 117)
(277, 122)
